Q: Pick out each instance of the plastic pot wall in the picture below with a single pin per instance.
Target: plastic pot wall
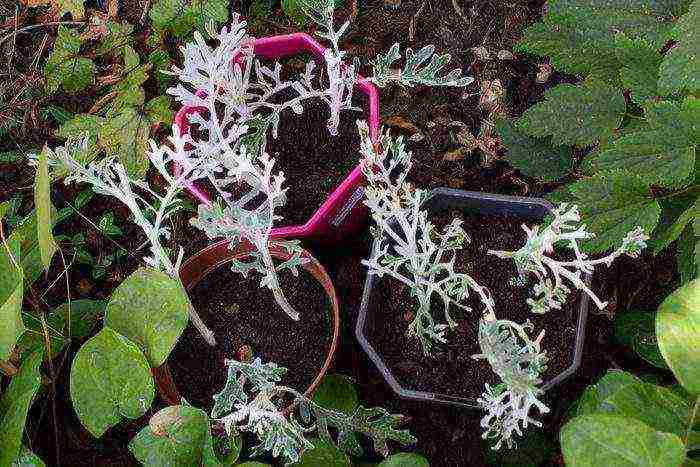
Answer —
(342, 213)
(207, 261)
(441, 199)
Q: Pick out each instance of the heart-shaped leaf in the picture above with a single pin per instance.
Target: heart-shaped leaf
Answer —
(678, 333)
(110, 380)
(150, 309)
(337, 392)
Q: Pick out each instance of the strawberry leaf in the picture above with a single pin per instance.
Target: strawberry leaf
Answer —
(680, 69)
(65, 67)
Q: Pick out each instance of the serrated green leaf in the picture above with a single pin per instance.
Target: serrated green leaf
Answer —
(678, 332)
(210, 11)
(575, 115)
(337, 392)
(656, 406)
(110, 380)
(636, 330)
(11, 294)
(665, 153)
(150, 309)
(65, 67)
(405, 459)
(14, 406)
(680, 70)
(126, 136)
(640, 67)
(118, 36)
(175, 436)
(159, 111)
(534, 157)
(592, 399)
(674, 231)
(324, 453)
(42, 203)
(172, 16)
(602, 439)
(612, 205)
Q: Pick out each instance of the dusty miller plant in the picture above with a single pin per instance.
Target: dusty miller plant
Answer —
(253, 400)
(550, 291)
(150, 209)
(518, 361)
(409, 248)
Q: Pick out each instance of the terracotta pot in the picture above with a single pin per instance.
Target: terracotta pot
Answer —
(206, 261)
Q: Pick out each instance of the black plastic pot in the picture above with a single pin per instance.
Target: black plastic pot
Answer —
(442, 199)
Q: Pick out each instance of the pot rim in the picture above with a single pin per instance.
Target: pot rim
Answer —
(456, 195)
(200, 265)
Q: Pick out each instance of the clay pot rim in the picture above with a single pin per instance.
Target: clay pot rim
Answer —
(200, 265)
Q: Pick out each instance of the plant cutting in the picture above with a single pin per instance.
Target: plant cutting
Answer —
(517, 360)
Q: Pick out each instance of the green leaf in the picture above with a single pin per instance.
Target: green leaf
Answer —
(14, 406)
(11, 294)
(658, 407)
(176, 435)
(26, 233)
(672, 233)
(592, 399)
(110, 380)
(252, 464)
(534, 448)
(42, 202)
(209, 11)
(78, 127)
(680, 70)
(28, 459)
(337, 392)
(575, 115)
(324, 453)
(405, 459)
(150, 309)
(612, 205)
(126, 137)
(665, 153)
(159, 111)
(533, 156)
(640, 67)
(688, 255)
(118, 36)
(65, 67)
(678, 332)
(611, 440)
(172, 16)
(636, 330)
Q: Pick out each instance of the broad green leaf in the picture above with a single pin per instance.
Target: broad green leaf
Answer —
(42, 203)
(28, 459)
(150, 309)
(11, 295)
(174, 436)
(172, 16)
(680, 70)
(636, 330)
(592, 399)
(405, 459)
(324, 453)
(110, 380)
(613, 204)
(658, 407)
(117, 36)
(65, 67)
(672, 233)
(612, 440)
(678, 332)
(159, 111)
(688, 255)
(14, 406)
(640, 67)
(126, 136)
(210, 11)
(337, 392)
(665, 153)
(575, 115)
(534, 156)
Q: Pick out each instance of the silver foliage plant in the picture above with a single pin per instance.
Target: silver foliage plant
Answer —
(253, 400)
(150, 209)
(409, 248)
(550, 290)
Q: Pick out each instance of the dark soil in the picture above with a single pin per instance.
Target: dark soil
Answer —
(451, 370)
(241, 313)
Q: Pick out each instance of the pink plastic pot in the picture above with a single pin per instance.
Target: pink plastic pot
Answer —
(343, 213)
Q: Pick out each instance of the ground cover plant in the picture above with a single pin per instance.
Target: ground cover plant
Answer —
(594, 107)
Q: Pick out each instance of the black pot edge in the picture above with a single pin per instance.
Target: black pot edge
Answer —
(465, 402)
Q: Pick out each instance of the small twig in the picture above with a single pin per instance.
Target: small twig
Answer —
(102, 101)
(146, 7)
(414, 20)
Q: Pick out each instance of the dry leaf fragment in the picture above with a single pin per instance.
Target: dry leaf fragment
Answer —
(505, 55)
(167, 417)
(456, 155)
(398, 121)
(544, 71)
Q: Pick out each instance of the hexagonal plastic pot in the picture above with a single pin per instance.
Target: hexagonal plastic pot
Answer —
(343, 212)
(442, 199)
